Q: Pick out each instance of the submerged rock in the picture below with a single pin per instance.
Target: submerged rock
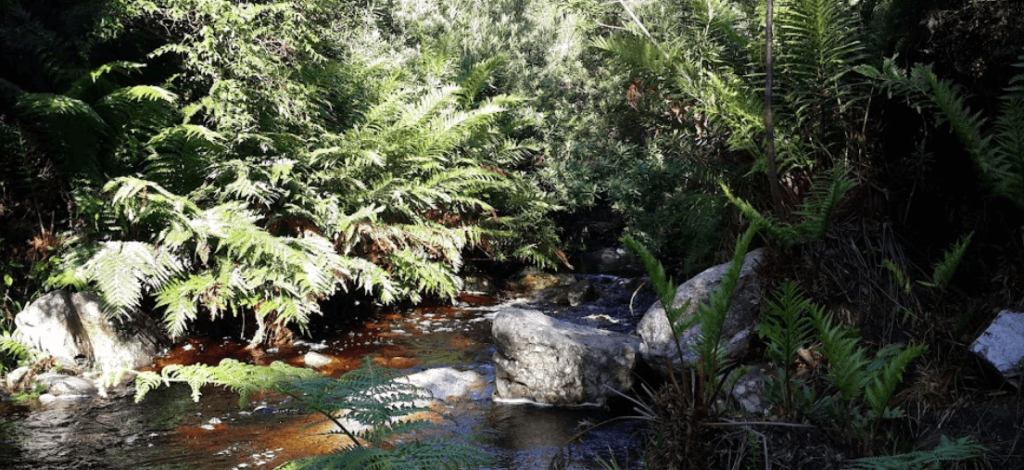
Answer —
(446, 383)
(550, 361)
(72, 328)
(1002, 344)
(60, 384)
(658, 347)
(314, 359)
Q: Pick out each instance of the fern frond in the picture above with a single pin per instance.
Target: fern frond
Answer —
(827, 191)
(958, 450)
(944, 271)
(123, 271)
(883, 382)
(711, 314)
(847, 360)
(786, 329)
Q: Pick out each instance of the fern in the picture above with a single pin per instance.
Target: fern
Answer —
(12, 348)
(998, 153)
(816, 210)
(944, 270)
(786, 328)
(883, 382)
(948, 450)
(847, 360)
(711, 314)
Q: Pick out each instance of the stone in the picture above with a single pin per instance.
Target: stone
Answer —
(446, 383)
(608, 260)
(73, 328)
(1002, 344)
(61, 385)
(314, 359)
(658, 347)
(581, 292)
(748, 390)
(16, 378)
(47, 398)
(549, 361)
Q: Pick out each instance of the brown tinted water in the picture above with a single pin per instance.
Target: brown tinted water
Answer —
(168, 430)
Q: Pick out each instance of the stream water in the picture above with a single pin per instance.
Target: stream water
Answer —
(168, 430)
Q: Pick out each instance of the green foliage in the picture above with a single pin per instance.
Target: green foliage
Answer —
(787, 330)
(998, 153)
(368, 405)
(857, 378)
(12, 350)
(944, 269)
(296, 156)
(948, 450)
(816, 210)
(710, 314)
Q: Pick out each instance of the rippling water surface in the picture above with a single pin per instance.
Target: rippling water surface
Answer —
(169, 431)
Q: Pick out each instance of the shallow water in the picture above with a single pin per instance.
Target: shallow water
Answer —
(169, 431)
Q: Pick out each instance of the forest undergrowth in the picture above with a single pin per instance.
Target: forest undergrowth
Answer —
(251, 161)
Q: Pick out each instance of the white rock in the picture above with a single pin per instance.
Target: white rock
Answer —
(1002, 344)
(314, 359)
(445, 383)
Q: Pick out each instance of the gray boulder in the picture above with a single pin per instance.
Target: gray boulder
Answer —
(1002, 344)
(73, 328)
(658, 346)
(550, 361)
(60, 384)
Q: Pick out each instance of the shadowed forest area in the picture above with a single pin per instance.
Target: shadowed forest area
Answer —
(248, 161)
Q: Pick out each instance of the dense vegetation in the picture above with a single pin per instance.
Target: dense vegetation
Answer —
(211, 158)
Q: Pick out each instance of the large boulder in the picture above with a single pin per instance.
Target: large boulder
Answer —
(549, 361)
(658, 347)
(73, 328)
(1002, 345)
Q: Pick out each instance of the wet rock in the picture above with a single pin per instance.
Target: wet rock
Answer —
(1001, 345)
(551, 361)
(315, 360)
(47, 398)
(72, 328)
(581, 292)
(446, 383)
(608, 260)
(658, 347)
(61, 385)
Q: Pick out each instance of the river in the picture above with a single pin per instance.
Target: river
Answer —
(168, 430)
